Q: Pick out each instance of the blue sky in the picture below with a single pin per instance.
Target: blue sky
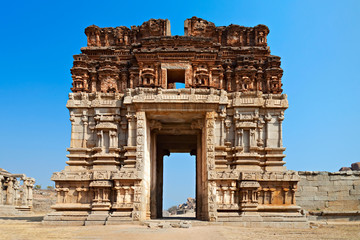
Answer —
(318, 42)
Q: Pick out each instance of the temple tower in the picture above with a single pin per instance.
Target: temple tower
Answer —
(127, 114)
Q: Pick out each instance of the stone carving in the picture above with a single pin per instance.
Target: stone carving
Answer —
(16, 190)
(126, 115)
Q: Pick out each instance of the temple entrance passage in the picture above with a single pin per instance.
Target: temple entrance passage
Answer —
(175, 172)
(179, 172)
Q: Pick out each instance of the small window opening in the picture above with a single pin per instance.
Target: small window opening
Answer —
(176, 78)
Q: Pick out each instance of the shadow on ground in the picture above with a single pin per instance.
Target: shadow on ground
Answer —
(24, 218)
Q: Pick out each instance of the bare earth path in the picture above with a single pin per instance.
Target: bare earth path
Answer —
(31, 228)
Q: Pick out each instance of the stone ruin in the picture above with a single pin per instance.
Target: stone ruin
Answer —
(187, 207)
(127, 114)
(16, 192)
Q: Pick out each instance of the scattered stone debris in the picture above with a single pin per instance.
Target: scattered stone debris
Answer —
(169, 224)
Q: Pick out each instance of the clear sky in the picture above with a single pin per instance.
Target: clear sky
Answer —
(318, 42)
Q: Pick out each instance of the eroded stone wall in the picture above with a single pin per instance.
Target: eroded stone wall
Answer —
(329, 191)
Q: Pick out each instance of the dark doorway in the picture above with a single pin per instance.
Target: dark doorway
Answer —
(165, 145)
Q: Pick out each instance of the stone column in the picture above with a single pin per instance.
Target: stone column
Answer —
(58, 194)
(10, 192)
(72, 119)
(123, 80)
(285, 191)
(239, 138)
(210, 164)
(30, 185)
(99, 139)
(222, 119)
(252, 137)
(260, 142)
(227, 127)
(132, 77)
(131, 119)
(16, 191)
(85, 126)
(280, 119)
(1, 190)
(80, 195)
(267, 119)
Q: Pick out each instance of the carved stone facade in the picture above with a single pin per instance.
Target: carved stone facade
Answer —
(16, 192)
(126, 114)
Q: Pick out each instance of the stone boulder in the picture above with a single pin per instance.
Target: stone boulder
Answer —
(345, 169)
(355, 166)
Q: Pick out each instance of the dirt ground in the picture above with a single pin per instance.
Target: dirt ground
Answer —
(30, 227)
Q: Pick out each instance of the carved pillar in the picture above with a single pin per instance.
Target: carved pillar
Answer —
(285, 191)
(280, 119)
(16, 191)
(227, 127)
(232, 192)
(113, 139)
(252, 137)
(99, 139)
(85, 127)
(260, 125)
(271, 193)
(210, 163)
(81, 198)
(30, 185)
(123, 81)
(222, 119)
(132, 78)
(119, 198)
(157, 74)
(267, 119)
(131, 119)
(238, 130)
(10, 192)
(58, 194)
(72, 119)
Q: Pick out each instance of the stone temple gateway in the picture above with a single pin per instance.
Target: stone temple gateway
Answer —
(127, 114)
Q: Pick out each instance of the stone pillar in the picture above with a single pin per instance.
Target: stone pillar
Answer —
(99, 139)
(267, 119)
(239, 137)
(222, 116)
(1, 190)
(85, 127)
(252, 137)
(143, 167)
(260, 125)
(16, 191)
(131, 119)
(72, 119)
(24, 193)
(280, 119)
(30, 184)
(227, 127)
(210, 163)
(238, 130)
(10, 192)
